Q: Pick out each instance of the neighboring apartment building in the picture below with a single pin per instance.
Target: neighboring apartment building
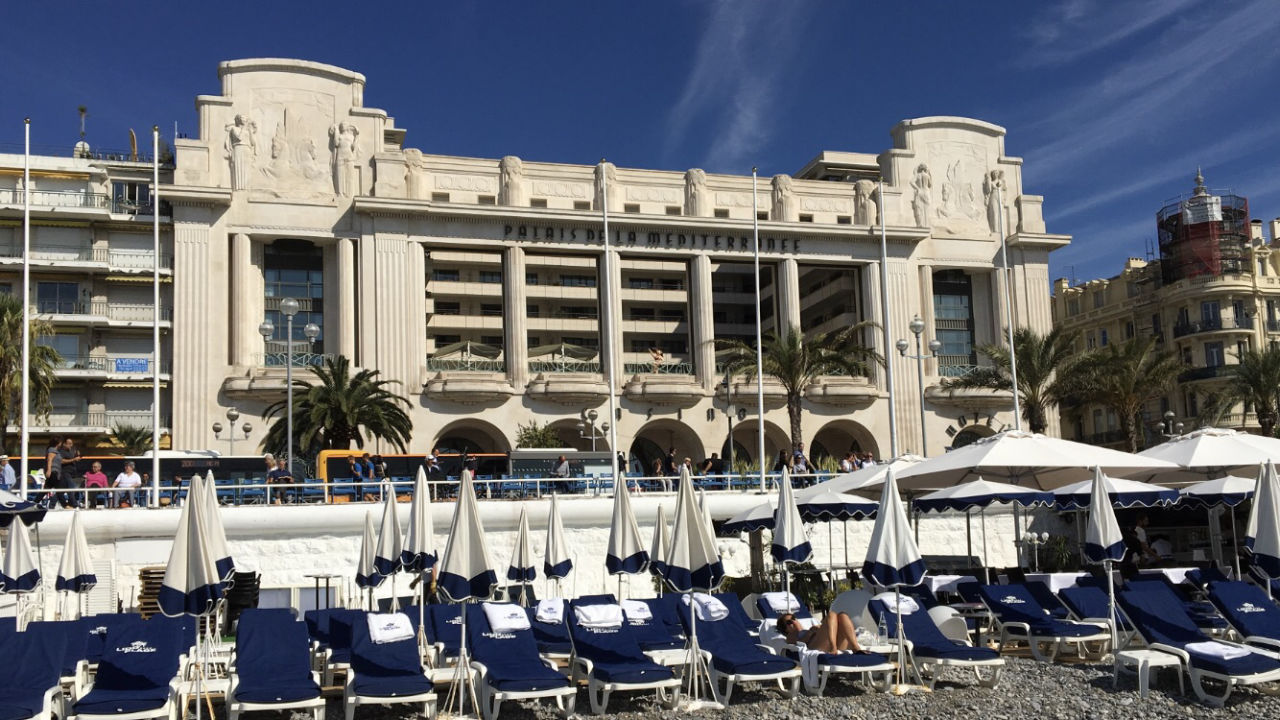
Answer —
(478, 284)
(91, 269)
(1213, 292)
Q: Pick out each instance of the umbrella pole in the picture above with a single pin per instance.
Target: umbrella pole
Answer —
(982, 515)
(1111, 597)
(831, 556)
(844, 530)
(968, 531)
(902, 648)
(1235, 545)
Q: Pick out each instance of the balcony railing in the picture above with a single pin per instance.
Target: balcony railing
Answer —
(955, 371)
(465, 365)
(300, 359)
(569, 366)
(103, 421)
(682, 368)
(112, 257)
(123, 312)
(1242, 323)
(1204, 373)
(116, 364)
(56, 198)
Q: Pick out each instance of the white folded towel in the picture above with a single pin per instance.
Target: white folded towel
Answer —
(809, 672)
(636, 610)
(506, 617)
(389, 627)
(607, 615)
(550, 611)
(709, 608)
(1218, 650)
(904, 603)
(781, 602)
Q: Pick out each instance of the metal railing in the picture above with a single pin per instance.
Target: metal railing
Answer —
(124, 312)
(116, 364)
(112, 257)
(680, 368)
(56, 198)
(1204, 373)
(568, 366)
(257, 491)
(955, 371)
(300, 359)
(1191, 328)
(107, 154)
(461, 365)
(101, 420)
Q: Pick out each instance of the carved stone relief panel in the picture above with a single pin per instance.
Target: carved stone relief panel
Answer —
(290, 145)
(654, 195)
(466, 183)
(825, 204)
(960, 167)
(556, 188)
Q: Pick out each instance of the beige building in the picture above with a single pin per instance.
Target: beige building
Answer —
(478, 283)
(1213, 292)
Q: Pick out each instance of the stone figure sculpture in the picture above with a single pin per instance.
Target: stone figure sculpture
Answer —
(864, 203)
(241, 148)
(343, 139)
(784, 200)
(922, 201)
(993, 188)
(415, 172)
(511, 181)
(697, 201)
(606, 182)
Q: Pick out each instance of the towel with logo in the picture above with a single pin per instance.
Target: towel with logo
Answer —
(1219, 650)
(550, 611)
(637, 610)
(709, 608)
(389, 627)
(605, 615)
(506, 617)
(781, 602)
(903, 603)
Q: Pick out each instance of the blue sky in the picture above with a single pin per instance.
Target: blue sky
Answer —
(1112, 104)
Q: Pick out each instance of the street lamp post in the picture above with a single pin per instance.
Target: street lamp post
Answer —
(728, 413)
(591, 417)
(232, 416)
(917, 328)
(289, 308)
(1168, 428)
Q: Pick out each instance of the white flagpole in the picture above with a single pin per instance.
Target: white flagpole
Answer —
(888, 343)
(612, 326)
(1008, 311)
(155, 322)
(24, 463)
(755, 223)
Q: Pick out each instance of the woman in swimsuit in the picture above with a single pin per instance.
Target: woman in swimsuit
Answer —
(833, 634)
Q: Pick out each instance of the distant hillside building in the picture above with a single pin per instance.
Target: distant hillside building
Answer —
(1213, 292)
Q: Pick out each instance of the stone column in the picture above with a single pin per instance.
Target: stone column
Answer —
(907, 391)
(415, 269)
(515, 330)
(702, 321)
(245, 341)
(788, 296)
(391, 321)
(193, 383)
(346, 295)
(366, 303)
(875, 313)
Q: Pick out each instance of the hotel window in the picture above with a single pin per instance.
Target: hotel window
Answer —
(953, 320)
(294, 269)
(1213, 354)
(581, 205)
(538, 202)
(631, 207)
(439, 197)
(578, 280)
(844, 220)
(491, 276)
(1128, 330)
(58, 297)
(1155, 325)
(531, 278)
(1099, 297)
(1242, 347)
(641, 313)
(578, 312)
(448, 308)
(446, 275)
(491, 309)
(640, 283)
(673, 210)
(131, 197)
(1073, 306)
(722, 212)
(1102, 337)
(804, 217)
(1089, 342)
(494, 340)
(443, 340)
(487, 200)
(762, 215)
(1097, 421)
(1210, 314)
(532, 310)
(586, 342)
(68, 346)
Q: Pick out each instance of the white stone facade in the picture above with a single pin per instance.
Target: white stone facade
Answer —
(403, 256)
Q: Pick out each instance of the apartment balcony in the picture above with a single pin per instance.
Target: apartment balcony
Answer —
(107, 367)
(842, 391)
(111, 314)
(457, 288)
(1206, 373)
(446, 321)
(742, 391)
(70, 202)
(84, 422)
(561, 292)
(471, 380)
(970, 399)
(574, 383)
(672, 383)
(656, 294)
(87, 259)
(1213, 325)
(266, 379)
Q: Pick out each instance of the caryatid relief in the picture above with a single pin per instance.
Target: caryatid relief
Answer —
(922, 200)
(415, 175)
(343, 139)
(784, 200)
(241, 149)
(993, 187)
(607, 189)
(511, 181)
(864, 202)
(697, 201)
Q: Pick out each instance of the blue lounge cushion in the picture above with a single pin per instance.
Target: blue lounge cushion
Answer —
(445, 627)
(273, 659)
(733, 651)
(552, 638)
(1247, 608)
(927, 640)
(616, 653)
(1162, 618)
(389, 669)
(138, 663)
(99, 626)
(33, 670)
(75, 635)
(101, 701)
(511, 658)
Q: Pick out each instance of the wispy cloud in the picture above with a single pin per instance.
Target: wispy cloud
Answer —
(1191, 65)
(1077, 28)
(742, 56)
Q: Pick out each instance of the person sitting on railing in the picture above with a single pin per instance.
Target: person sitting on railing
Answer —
(281, 477)
(127, 484)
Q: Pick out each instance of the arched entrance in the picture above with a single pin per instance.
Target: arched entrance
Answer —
(838, 437)
(656, 437)
(970, 435)
(471, 436)
(746, 442)
(571, 437)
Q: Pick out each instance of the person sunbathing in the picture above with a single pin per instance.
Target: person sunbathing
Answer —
(833, 634)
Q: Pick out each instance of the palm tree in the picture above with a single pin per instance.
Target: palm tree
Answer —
(340, 408)
(1126, 376)
(796, 361)
(1045, 365)
(1254, 381)
(44, 360)
(131, 439)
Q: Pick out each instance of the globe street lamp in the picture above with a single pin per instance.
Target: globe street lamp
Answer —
(232, 416)
(1168, 428)
(289, 308)
(591, 417)
(916, 326)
